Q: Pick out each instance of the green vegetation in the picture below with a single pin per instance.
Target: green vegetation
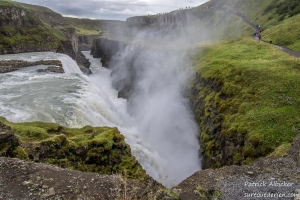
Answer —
(286, 33)
(86, 26)
(89, 149)
(9, 3)
(30, 37)
(26, 31)
(282, 150)
(284, 8)
(252, 98)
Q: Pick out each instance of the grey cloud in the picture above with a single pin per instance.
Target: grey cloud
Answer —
(104, 9)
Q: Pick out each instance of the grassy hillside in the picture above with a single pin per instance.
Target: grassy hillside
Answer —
(252, 9)
(253, 89)
(21, 30)
(279, 18)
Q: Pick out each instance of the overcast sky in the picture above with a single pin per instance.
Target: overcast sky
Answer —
(113, 9)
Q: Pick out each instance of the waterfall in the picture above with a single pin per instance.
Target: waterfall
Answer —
(69, 65)
(165, 145)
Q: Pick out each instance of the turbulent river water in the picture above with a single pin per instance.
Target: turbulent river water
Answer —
(73, 99)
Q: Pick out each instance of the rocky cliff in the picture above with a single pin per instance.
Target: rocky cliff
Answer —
(106, 49)
(85, 42)
(12, 65)
(123, 72)
(175, 18)
(29, 28)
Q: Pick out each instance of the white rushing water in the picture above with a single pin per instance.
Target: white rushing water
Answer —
(74, 100)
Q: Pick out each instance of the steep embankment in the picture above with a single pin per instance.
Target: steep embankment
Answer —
(246, 101)
(22, 31)
(106, 49)
(30, 28)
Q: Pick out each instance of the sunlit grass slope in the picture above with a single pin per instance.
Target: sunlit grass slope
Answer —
(259, 99)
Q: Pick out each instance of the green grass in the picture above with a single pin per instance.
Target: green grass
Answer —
(9, 3)
(261, 86)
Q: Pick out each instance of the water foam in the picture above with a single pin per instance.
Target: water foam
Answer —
(73, 99)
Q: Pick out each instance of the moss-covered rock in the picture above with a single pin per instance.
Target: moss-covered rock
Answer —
(90, 149)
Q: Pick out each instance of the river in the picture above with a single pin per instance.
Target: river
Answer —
(160, 140)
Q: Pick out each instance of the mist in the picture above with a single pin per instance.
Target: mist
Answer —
(153, 73)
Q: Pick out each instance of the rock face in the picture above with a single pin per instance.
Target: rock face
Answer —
(85, 42)
(123, 72)
(8, 141)
(12, 65)
(53, 69)
(172, 19)
(271, 175)
(141, 20)
(217, 149)
(215, 152)
(14, 16)
(106, 49)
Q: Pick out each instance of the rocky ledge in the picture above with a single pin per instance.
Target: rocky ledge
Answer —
(28, 181)
(13, 65)
(89, 149)
(272, 177)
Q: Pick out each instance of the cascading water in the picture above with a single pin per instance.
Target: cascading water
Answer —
(157, 139)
